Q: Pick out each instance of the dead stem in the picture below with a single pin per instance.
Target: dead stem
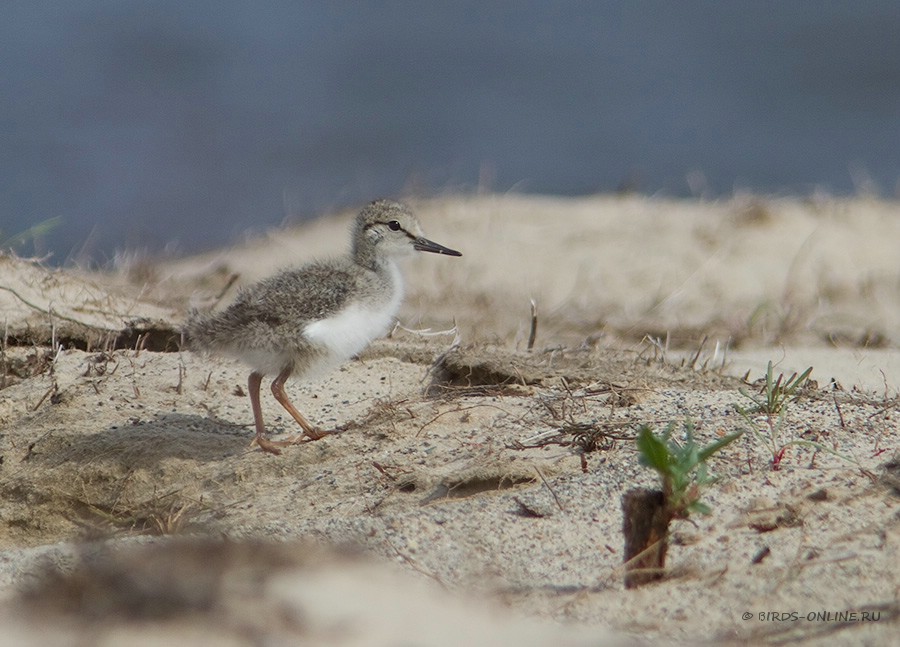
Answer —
(547, 485)
(534, 324)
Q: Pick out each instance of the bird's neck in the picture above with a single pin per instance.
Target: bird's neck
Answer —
(365, 256)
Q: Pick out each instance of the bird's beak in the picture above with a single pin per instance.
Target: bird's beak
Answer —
(425, 245)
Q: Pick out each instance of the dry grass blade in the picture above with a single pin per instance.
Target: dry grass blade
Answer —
(167, 514)
(585, 436)
(32, 233)
(534, 323)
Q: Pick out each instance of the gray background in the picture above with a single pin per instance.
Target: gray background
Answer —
(187, 124)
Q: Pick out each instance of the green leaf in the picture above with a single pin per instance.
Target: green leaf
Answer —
(654, 452)
(712, 448)
(699, 506)
(682, 466)
(796, 383)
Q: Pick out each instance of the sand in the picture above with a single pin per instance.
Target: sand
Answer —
(476, 500)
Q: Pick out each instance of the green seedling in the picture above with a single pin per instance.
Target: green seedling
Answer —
(647, 513)
(682, 466)
(772, 402)
(777, 393)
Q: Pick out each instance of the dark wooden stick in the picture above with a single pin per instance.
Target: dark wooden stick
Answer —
(646, 529)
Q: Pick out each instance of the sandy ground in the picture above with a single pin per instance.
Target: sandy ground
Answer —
(476, 501)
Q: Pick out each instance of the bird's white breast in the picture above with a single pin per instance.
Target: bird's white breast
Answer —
(348, 332)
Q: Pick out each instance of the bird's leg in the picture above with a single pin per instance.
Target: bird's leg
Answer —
(280, 395)
(264, 443)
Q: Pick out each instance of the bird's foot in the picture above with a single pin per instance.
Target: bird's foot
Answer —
(267, 445)
(309, 435)
(272, 446)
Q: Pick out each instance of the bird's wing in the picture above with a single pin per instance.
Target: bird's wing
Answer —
(316, 291)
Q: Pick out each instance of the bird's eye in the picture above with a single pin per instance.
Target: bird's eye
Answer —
(393, 225)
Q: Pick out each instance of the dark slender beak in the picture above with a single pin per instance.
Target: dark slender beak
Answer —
(425, 245)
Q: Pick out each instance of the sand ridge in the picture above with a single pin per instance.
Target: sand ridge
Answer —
(468, 466)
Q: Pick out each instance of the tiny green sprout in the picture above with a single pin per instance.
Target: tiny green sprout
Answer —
(772, 403)
(777, 393)
(681, 466)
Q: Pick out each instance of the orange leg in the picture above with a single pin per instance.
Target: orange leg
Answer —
(280, 395)
(264, 443)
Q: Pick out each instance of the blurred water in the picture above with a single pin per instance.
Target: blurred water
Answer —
(146, 124)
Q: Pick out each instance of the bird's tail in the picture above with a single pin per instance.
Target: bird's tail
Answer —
(196, 330)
